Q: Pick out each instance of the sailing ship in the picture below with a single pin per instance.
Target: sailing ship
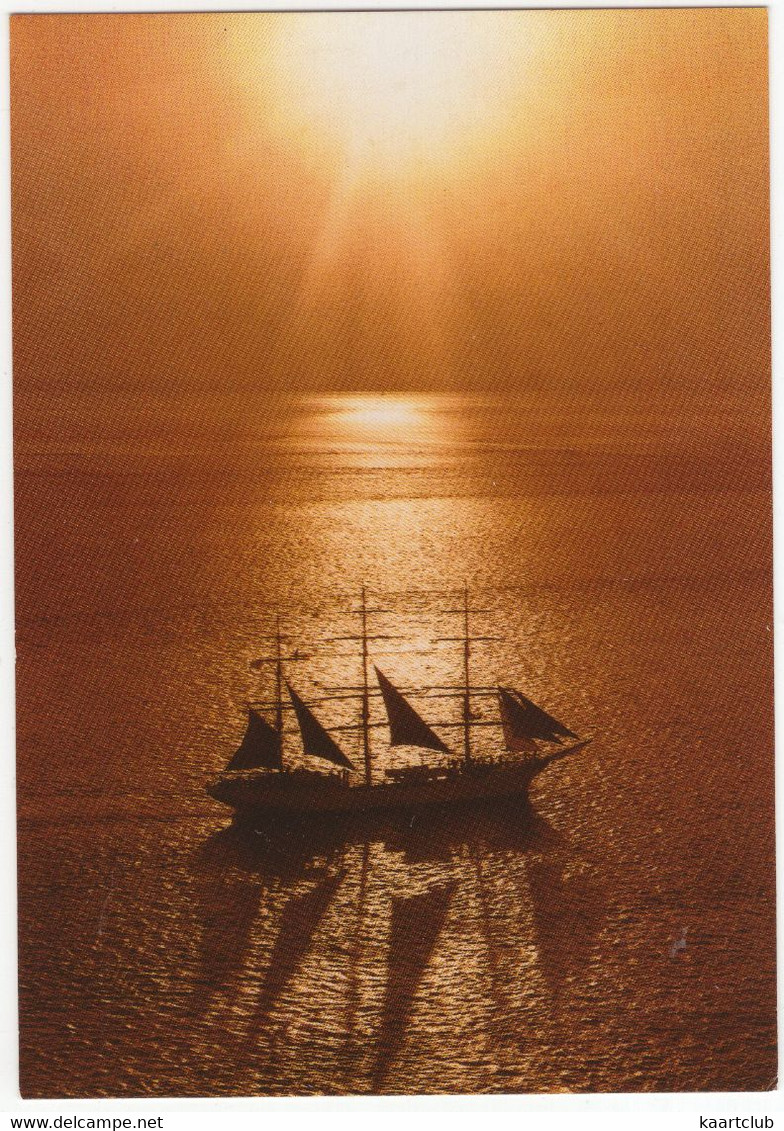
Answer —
(261, 782)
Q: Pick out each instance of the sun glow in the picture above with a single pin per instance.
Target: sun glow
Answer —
(367, 418)
(397, 89)
(371, 422)
(381, 413)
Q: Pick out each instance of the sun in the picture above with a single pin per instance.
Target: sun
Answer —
(395, 89)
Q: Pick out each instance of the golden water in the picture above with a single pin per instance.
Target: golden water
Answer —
(510, 950)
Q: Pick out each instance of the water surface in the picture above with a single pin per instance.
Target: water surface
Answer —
(626, 573)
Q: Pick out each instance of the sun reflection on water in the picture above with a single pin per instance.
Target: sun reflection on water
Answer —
(372, 422)
(383, 413)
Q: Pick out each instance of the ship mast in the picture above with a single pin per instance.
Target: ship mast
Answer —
(362, 690)
(278, 683)
(464, 690)
(466, 680)
(277, 705)
(365, 693)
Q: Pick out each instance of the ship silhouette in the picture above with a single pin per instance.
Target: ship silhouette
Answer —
(259, 783)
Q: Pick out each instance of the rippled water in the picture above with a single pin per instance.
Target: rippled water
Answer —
(619, 935)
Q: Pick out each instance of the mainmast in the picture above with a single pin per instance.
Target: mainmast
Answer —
(466, 679)
(464, 691)
(363, 688)
(278, 682)
(365, 693)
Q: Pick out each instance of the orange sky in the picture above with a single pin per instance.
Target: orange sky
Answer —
(577, 208)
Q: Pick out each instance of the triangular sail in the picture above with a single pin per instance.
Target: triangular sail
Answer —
(523, 720)
(316, 741)
(514, 724)
(545, 719)
(406, 726)
(261, 747)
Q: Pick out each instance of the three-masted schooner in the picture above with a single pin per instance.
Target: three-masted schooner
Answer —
(258, 782)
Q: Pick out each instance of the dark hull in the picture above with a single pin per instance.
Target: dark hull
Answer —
(293, 794)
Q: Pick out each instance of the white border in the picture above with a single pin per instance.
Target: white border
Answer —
(554, 1111)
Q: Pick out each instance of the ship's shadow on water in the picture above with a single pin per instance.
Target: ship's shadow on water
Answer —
(289, 848)
(454, 858)
(415, 926)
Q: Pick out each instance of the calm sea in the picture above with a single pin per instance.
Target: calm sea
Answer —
(617, 936)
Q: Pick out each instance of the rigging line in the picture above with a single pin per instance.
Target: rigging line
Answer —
(331, 639)
(473, 722)
(488, 688)
(451, 725)
(410, 692)
(474, 639)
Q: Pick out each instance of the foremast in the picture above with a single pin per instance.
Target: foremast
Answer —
(278, 705)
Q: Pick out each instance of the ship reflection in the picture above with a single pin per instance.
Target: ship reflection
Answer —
(416, 923)
(391, 891)
(299, 920)
(568, 906)
(287, 848)
(229, 911)
(498, 826)
(283, 851)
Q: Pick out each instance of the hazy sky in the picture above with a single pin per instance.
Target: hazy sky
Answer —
(571, 204)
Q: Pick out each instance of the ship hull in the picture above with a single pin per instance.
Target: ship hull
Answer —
(275, 795)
